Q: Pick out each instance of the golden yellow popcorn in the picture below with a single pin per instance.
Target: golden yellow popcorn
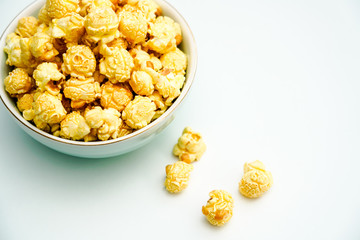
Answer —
(124, 129)
(141, 83)
(165, 35)
(13, 50)
(149, 8)
(107, 122)
(74, 126)
(87, 5)
(61, 8)
(118, 42)
(27, 26)
(139, 112)
(41, 47)
(26, 56)
(169, 86)
(18, 82)
(177, 176)
(174, 60)
(133, 25)
(102, 24)
(159, 101)
(256, 180)
(71, 28)
(190, 146)
(219, 208)
(116, 96)
(116, 64)
(25, 101)
(81, 91)
(79, 62)
(43, 16)
(46, 72)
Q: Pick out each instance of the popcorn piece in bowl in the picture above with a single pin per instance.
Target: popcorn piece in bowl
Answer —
(61, 8)
(27, 26)
(46, 72)
(74, 126)
(18, 81)
(71, 28)
(81, 91)
(116, 96)
(139, 112)
(177, 176)
(190, 146)
(219, 208)
(256, 180)
(79, 61)
(174, 60)
(141, 83)
(41, 47)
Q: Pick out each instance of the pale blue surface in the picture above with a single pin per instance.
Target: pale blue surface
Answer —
(277, 81)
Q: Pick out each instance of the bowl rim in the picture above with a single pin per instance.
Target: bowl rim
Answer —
(188, 83)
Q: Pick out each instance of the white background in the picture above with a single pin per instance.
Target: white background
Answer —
(277, 81)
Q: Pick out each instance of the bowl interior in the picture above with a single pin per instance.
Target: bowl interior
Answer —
(188, 46)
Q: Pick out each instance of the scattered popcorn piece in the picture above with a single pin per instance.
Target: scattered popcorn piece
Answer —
(27, 26)
(116, 64)
(165, 35)
(102, 24)
(18, 82)
(139, 112)
(133, 24)
(41, 47)
(116, 96)
(71, 28)
(256, 180)
(74, 126)
(141, 83)
(219, 208)
(177, 176)
(190, 146)
(46, 72)
(79, 62)
(174, 60)
(81, 91)
(61, 8)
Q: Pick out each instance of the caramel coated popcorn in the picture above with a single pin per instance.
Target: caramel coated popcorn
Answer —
(90, 70)
(256, 180)
(177, 176)
(190, 146)
(219, 208)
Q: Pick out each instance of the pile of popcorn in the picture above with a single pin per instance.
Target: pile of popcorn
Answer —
(95, 69)
(219, 208)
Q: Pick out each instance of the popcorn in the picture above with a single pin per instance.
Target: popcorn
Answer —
(174, 60)
(114, 61)
(102, 24)
(141, 83)
(177, 176)
(116, 64)
(139, 112)
(71, 28)
(133, 25)
(256, 180)
(219, 208)
(81, 91)
(74, 126)
(190, 146)
(107, 122)
(41, 47)
(61, 8)
(18, 82)
(116, 96)
(79, 62)
(46, 72)
(27, 26)
(165, 34)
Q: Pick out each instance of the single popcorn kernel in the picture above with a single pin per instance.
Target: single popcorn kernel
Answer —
(168, 85)
(48, 108)
(219, 208)
(141, 83)
(41, 47)
(116, 96)
(133, 25)
(46, 72)
(27, 26)
(79, 61)
(175, 60)
(25, 101)
(13, 50)
(116, 64)
(139, 112)
(61, 8)
(190, 146)
(71, 28)
(81, 91)
(74, 126)
(102, 24)
(256, 180)
(177, 176)
(18, 82)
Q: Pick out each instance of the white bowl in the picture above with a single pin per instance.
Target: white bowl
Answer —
(112, 147)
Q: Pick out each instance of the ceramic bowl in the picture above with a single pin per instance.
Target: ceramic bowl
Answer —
(112, 147)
